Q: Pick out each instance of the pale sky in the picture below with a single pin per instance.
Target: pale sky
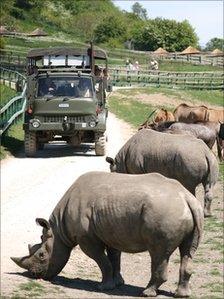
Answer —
(206, 17)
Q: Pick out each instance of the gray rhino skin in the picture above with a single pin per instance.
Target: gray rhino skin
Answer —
(180, 157)
(119, 212)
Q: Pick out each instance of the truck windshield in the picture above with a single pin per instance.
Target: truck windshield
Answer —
(66, 86)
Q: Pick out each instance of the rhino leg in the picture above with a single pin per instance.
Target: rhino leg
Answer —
(159, 265)
(94, 248)
(115, 259)
(183, 289)
(208, 199)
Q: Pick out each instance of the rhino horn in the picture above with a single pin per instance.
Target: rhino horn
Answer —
(22, 262)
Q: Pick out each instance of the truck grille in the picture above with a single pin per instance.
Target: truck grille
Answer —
(70, 119)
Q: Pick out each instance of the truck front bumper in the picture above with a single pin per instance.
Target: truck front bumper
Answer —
(65, 127)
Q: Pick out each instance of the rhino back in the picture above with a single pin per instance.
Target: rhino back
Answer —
(124, 210)
(175, 156)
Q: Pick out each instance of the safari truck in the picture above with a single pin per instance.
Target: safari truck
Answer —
(66, 98)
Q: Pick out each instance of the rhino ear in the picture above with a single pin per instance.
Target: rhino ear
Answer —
(110, 160)
(44, 223)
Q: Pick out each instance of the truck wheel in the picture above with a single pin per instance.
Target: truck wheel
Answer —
(40, 145)
(100, 144)
(30, 144)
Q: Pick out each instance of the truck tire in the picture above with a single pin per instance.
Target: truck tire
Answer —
(100, 144)
(40, 145)
(30, 144)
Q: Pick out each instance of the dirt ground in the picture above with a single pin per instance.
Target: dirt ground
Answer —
(31, 187)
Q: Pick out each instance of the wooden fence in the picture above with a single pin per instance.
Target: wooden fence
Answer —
(145, 56)
(191, 80)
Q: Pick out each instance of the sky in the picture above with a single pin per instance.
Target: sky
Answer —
(206, 17)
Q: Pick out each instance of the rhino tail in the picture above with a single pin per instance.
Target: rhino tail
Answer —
(213, 168)
(198, 216)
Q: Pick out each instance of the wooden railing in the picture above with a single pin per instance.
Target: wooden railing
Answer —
(192, 80)
(146, 56)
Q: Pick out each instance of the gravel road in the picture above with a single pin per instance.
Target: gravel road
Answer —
(31, 187)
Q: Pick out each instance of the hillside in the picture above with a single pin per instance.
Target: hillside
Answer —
(75, 20)
(98, 20)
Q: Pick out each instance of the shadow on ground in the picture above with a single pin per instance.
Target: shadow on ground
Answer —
(92, 286)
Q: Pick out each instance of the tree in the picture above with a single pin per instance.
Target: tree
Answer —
(139, 11)
(168, 34)
(214, 43)
(110, 28)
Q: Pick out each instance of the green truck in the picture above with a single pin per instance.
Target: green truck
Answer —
(66, 98)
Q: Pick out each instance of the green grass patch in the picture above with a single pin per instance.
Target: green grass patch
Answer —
(12, 142)
(213, 224)
(208, 97)
(131, 111)
(214, 287)
(6, 93)
(212, 97)
(30, 289)
(221, 170)
(186, 67)
(215, 272)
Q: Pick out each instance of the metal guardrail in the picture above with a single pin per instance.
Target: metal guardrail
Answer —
(192, 80)
(14, 109)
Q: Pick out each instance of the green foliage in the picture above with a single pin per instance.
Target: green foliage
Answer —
(215, 43)
(168, 34)
(98, 20)
(111, 27)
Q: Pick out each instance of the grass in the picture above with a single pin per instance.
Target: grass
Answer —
(215, 272)
(214, 287)
(6, 93)
(208, 97)
(130, 111)
(221, 171)
(30, 289)
(12, 143)
(186, 67)
(213, 224)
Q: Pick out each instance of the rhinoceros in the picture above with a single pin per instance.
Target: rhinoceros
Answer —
(111, 212)
(181, 157)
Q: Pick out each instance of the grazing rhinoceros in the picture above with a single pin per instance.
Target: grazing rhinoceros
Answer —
(180, 157)
(119, 212)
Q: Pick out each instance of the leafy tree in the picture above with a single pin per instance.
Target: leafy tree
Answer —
(214, 43)
(111, 27)
(139, 11)
(168, 34)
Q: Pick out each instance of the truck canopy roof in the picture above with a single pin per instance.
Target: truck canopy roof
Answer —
(38, 53)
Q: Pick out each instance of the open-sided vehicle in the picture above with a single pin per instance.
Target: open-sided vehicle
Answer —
(66, 98)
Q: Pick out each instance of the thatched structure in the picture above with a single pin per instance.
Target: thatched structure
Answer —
(217, 52)
(37, 32)
(190, 50)
(160, 51)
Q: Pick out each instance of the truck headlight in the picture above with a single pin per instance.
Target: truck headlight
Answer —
(35, 123)
(92, 124)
